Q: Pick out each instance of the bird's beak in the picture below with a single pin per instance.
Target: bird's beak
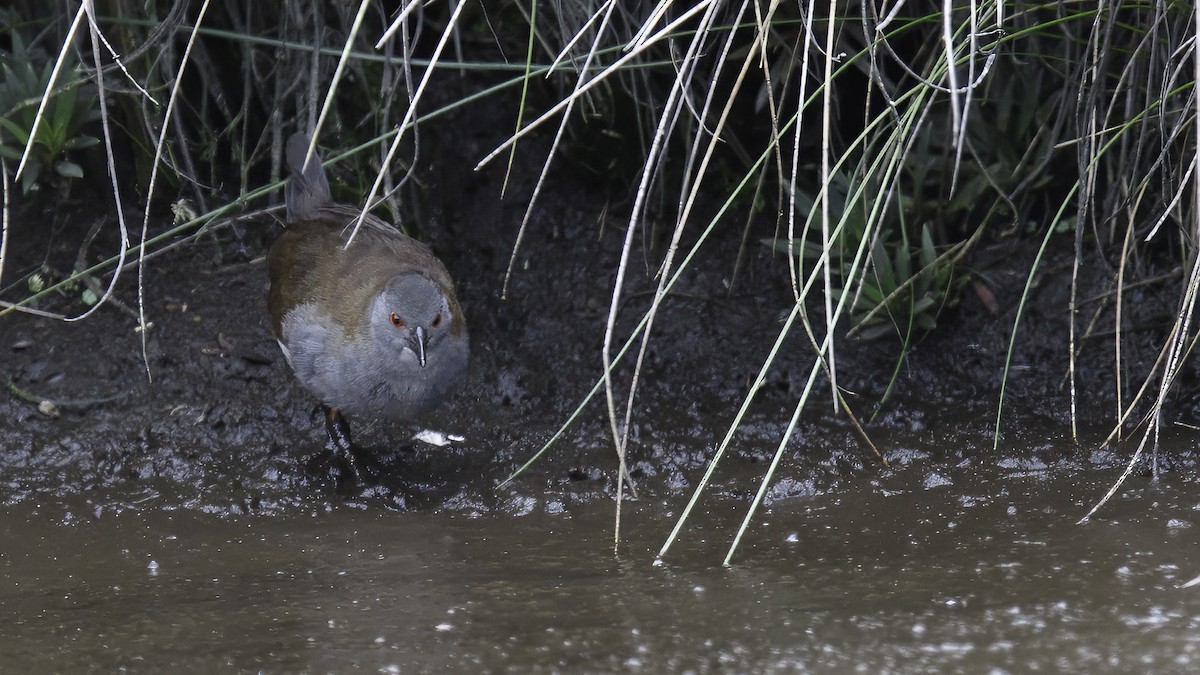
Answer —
(419, 340)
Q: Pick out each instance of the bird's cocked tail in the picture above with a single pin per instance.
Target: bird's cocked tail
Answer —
(307, 188)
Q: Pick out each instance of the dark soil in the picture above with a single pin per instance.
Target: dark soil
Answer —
(213, 420)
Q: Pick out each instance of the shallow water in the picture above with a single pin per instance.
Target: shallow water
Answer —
(974, 570)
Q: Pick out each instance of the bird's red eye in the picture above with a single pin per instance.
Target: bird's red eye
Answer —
(437, 320)
(396, 320)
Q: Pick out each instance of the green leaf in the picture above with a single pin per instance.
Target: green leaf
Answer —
(68, 169)
(876, 331)
(63, 109)
(33, 169)
(82, 142)
(19, 132)
(873, 294)
(926, 257)
(928, 253)
(883, 267)
(903, 264)
(923, 305)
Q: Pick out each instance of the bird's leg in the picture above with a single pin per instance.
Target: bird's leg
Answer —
(360, 465)
(339, 431)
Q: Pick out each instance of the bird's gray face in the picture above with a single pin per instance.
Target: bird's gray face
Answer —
(410, 317)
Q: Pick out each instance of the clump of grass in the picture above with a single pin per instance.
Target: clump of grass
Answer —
(24, 79)
(988, 119)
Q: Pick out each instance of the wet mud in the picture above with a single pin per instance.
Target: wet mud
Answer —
(211, 419)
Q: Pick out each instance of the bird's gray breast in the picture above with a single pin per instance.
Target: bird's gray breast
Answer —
(358, 377)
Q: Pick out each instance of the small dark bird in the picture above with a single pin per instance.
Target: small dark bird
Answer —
(374, 330)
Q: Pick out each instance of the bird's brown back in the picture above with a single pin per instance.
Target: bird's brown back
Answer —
(309, 263)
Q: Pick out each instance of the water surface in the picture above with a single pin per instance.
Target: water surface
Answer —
(975, 570)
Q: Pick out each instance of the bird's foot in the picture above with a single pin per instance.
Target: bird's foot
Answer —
(356, 467)
(348, 464)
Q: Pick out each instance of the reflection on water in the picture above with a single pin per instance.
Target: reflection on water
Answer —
(983, 570)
